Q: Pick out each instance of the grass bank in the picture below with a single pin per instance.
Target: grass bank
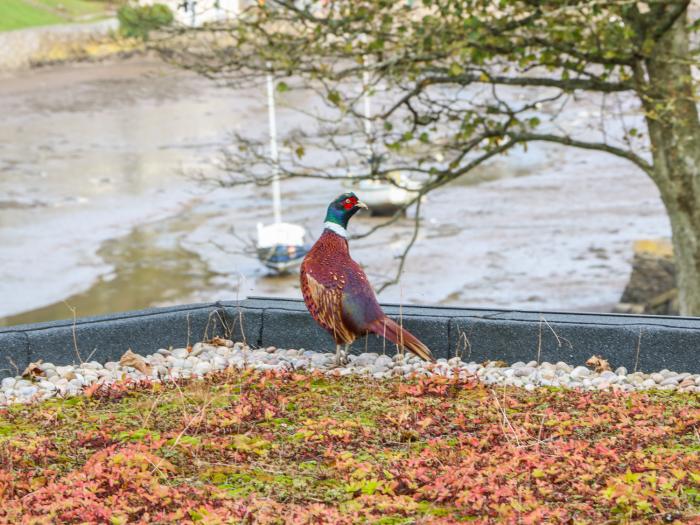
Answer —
(20, 14)
(305, 448)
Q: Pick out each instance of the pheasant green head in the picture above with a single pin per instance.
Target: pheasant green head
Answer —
(342, 208)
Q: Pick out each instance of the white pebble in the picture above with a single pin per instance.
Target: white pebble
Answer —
(202, 368)
(384, 361)
(180, 353)
(580, 372)
(64, 370)
(27, 391)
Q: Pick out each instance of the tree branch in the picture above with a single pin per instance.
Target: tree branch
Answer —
(599, 146)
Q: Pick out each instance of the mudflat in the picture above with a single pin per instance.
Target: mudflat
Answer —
(98, 207)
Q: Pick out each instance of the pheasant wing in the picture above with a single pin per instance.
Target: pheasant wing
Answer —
(325, 302)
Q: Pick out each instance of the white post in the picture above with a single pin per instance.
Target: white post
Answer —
(193, 19)
(274, 155)
(367, 102)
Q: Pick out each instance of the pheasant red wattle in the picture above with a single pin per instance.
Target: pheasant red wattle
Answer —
(336, 290)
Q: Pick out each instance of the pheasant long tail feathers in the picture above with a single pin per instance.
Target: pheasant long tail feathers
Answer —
(396, 334)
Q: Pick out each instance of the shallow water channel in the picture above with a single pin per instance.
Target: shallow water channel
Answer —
(98, 213)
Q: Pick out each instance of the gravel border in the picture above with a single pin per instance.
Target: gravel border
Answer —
(45, 380)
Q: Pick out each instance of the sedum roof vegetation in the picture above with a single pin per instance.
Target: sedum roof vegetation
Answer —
(250, 447)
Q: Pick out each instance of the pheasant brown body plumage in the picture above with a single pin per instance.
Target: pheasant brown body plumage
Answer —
(336, 290)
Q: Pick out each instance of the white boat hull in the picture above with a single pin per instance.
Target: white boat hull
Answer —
(384, 198)
(281, 247)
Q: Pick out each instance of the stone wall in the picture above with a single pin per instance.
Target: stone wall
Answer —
(652, 285)
(40, 45)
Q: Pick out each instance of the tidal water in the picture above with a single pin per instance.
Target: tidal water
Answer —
(99, 211)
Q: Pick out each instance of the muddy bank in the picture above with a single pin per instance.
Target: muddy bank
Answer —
(95, 209)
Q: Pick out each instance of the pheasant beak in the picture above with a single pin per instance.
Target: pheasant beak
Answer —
(360, 204)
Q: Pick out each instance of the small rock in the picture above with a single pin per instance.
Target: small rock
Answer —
(580, 372)
(384, 361)
(197, 349)
(8, 383)
(64, 370)
(378, 369)
(669, 381)
(454, 361)
(219, 362)
(202, 368)
(688, 381)
(609, 375)
(321, 359)
(649, 383)
(27, 391)
(180, 353)
(366, 358)
(621, 371)
(223, 351)
(561, 365)
(523, 371)
(657, 377)
(473, 368)
(547, 374)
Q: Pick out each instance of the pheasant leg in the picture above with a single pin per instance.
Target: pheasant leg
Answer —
(341, 356)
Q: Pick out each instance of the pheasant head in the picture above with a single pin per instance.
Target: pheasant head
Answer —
(341, 209)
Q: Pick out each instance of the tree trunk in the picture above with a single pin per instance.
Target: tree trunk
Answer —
(666, 89)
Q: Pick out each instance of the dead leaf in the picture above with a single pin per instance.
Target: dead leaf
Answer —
(33, 370)
(220, 341)
(90, 390)
(497, 363)
(598, 364)
(136, 361)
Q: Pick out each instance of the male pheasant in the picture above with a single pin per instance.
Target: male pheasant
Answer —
(336, 290)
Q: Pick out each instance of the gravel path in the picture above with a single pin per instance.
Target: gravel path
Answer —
(45, 380)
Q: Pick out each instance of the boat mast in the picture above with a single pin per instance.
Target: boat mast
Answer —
(368, 107)
(274, 155)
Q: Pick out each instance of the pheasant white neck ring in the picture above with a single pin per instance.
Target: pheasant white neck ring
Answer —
(336, 228)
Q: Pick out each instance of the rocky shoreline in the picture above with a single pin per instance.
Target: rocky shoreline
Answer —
(42, 381)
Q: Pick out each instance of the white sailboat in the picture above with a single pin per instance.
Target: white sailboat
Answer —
(382, 198)
(281, 246)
